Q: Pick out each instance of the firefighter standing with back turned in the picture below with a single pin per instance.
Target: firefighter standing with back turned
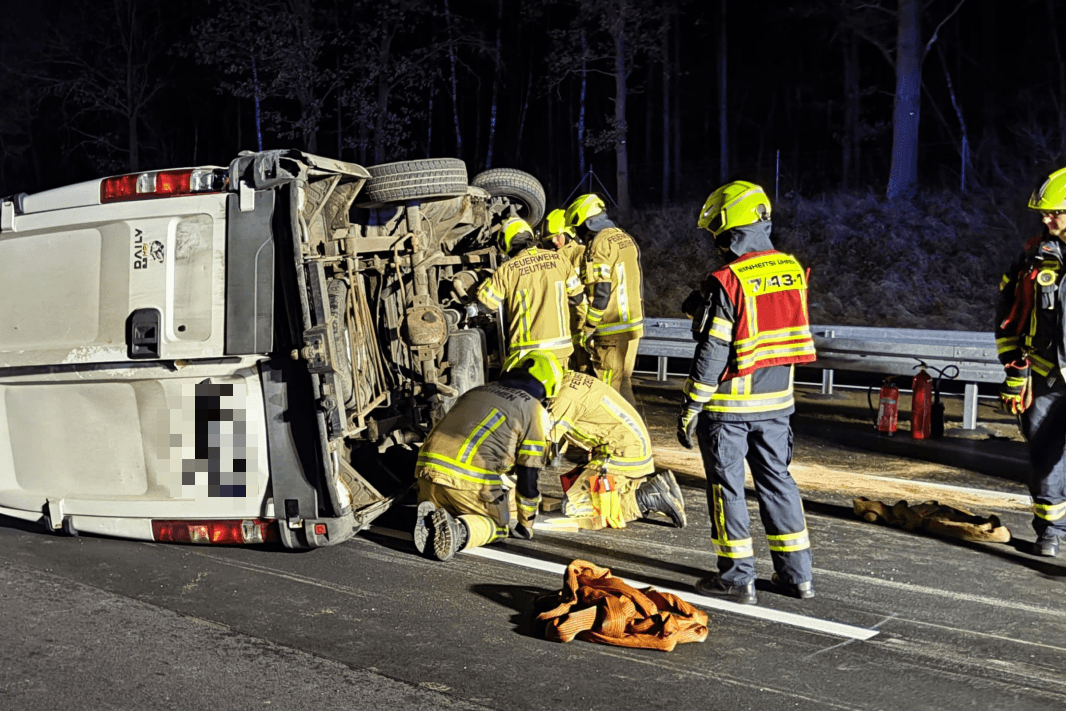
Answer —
(1031, 342)
(538, 289)
(558, 236)
(492, 440)
(615, 319)
(751, 331)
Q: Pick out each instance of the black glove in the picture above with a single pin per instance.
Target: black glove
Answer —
(520, 531)
(692, 304)
(686, 424)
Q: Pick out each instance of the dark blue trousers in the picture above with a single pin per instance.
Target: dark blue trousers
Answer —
(767, 445)
(1044, 426)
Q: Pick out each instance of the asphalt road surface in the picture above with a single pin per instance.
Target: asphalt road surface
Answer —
(900, 620)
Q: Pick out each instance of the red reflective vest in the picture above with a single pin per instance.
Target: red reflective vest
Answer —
(769, 291)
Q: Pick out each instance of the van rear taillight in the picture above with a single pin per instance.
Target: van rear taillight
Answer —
(162, 183)
(239, 532)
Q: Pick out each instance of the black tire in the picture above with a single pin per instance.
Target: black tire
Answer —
(523, 190)
(415, 180)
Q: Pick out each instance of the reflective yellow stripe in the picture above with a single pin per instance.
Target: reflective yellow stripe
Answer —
(1050, 512)
(629, 464)
(561, 312)
(697, 391)
(778, 334)
(528, 505)
(734, 395)
(721, 329)
(623, 296)
(788, 542)
(766, 353)
(460, 470)
(1008, 343)
(597, 273)
(1041, 366)
(524, 318)
(629, 423)
(604, 330)
(1003, 281)
(488, 296)
(736, 549)
(532, 448)
(547, 344)
(722, 545)
(484, 428)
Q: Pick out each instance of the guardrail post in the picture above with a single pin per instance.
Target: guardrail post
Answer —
(661, 372)
(969, 407)
(827, 382)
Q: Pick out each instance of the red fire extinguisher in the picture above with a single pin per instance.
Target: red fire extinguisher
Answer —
(921, 404)
(888, 409)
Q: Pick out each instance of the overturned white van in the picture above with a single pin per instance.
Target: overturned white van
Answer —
(226, 354)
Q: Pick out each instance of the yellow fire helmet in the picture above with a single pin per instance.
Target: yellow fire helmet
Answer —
(512, 230)
(582, 209)
(555, 224)
(542, 365)
(1052, 194)
(734, 205)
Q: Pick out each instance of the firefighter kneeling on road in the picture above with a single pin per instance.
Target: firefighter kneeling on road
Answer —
(614, 486)
(1031, 342)
(752, 330)
(492, 440)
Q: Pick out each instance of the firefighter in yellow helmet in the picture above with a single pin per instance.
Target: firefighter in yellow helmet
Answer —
(751, 331)
(538, 290)
(492, 441)
(556, 235)
(618, 484)
(561, 236)
(612, 274)
(1032, 347)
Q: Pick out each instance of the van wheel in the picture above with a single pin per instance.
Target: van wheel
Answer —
(523, 190)
(415, 180)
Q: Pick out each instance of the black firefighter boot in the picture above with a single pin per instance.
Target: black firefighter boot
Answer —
(662, 494)
(438, 534)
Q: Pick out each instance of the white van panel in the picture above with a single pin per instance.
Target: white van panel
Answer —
(135, 528)
(77, 195)
(162, 444)
(73, 277)
(48, 305)
(75, 439)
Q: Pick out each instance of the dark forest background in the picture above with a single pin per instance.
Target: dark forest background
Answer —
(899, 139)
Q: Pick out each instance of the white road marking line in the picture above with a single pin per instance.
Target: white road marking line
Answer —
(815, 624)
(1006, 604)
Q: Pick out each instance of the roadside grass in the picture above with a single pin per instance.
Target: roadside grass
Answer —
(932, 262)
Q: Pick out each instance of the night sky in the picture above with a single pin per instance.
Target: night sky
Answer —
(113, 86)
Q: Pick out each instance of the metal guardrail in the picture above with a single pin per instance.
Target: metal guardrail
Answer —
(885, 351)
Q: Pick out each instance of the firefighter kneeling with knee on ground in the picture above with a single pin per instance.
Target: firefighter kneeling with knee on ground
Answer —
(614, 486)
(492, 440)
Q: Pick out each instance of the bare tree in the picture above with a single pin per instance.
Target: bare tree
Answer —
(607, 37)
(271, 51)
(105, 65)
